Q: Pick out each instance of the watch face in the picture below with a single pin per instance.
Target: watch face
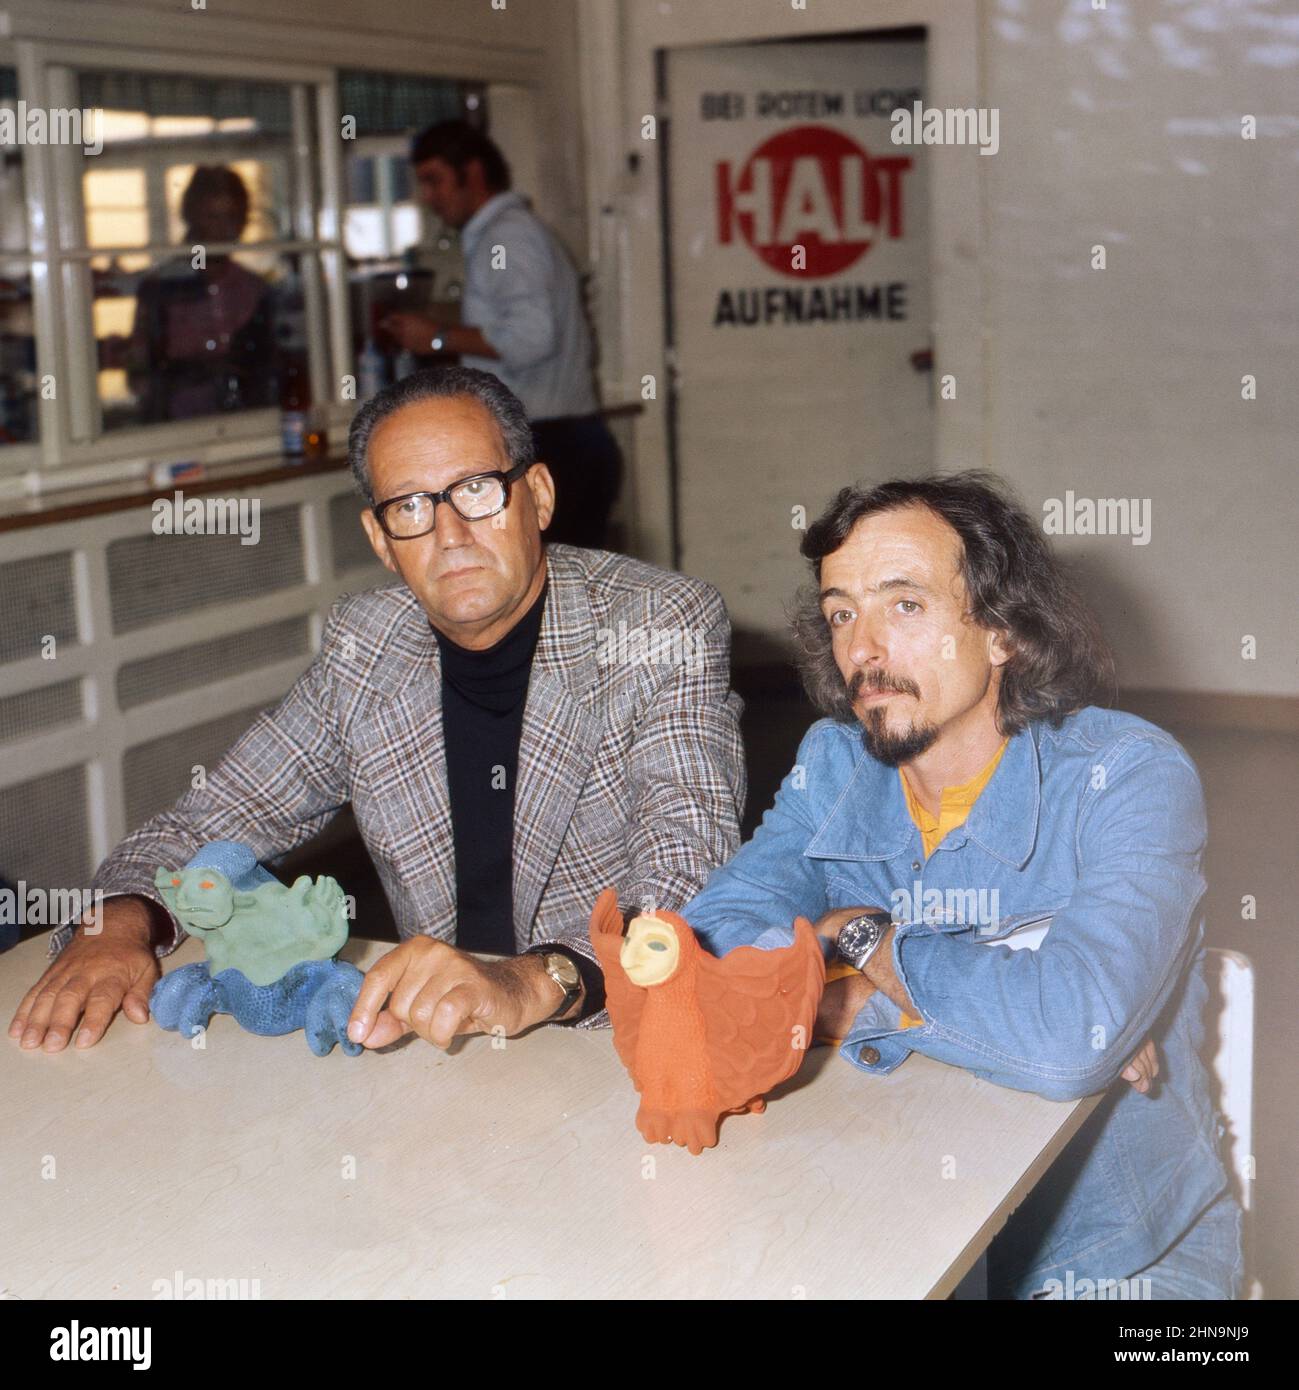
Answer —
(563, 970)
(858, 936)
(854, 936)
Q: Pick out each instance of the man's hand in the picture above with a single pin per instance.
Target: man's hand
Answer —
(1143, 1068)
(414, 332)
(840, 1004)
(434, 990)
(95, 975)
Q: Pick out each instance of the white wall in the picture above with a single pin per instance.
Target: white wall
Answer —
(1123, 129)
(1119, 128)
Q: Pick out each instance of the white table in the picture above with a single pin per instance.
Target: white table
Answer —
(494, 1172)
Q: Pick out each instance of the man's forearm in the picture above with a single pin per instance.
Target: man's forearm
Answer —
(590, 1000)
(124, 916)
(138, 915)
(464, 340)
(536, 993)
(273, 789)
(880, 972)
(168, 839)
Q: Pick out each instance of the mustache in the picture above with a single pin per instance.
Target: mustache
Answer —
(876, 682)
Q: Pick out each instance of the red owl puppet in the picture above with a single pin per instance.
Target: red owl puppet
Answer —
(703, 1037)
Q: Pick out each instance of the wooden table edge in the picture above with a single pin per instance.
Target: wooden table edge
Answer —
(1026, 1182)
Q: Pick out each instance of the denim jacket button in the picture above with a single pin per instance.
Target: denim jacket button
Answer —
(915, 866)
(870, 1055)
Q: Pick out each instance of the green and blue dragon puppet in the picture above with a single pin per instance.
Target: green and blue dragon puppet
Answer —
(270, 950)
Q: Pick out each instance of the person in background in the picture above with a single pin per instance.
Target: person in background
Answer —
(203, 341)
(522, 318)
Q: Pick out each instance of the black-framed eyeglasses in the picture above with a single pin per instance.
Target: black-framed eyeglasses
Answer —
(476, 498)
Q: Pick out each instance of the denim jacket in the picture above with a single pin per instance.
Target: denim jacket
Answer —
(1096, 829)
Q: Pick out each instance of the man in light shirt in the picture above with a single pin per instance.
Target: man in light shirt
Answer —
(522, 318)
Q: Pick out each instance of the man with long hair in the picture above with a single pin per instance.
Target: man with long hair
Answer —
(962, 787)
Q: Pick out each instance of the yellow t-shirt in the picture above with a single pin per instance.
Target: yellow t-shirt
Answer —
(954, 807)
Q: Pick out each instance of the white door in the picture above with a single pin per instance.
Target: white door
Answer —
(799, 299)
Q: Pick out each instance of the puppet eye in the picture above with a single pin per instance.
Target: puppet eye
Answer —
(175, 883)
(657, 945)
(206, 884)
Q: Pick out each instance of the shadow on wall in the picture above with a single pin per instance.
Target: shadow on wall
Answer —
(1127, 623)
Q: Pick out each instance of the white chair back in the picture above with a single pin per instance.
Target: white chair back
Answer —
(1229, 1055)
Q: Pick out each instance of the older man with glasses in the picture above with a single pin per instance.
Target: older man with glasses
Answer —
(516, 725)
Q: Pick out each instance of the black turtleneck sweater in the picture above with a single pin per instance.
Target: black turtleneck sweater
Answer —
(483, 695)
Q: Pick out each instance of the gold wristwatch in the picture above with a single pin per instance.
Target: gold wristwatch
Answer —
(566, 975)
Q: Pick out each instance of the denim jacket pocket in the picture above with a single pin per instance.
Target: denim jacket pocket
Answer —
(841, 891)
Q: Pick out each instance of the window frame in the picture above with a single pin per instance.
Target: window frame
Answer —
(380, 147)
(69, 438)
(17, 459)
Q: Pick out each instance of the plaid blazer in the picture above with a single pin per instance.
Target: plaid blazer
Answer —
(630, 772)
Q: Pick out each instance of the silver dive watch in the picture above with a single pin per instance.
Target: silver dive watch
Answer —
(860, 937)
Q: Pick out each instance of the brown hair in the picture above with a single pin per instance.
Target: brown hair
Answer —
(1059, 661)
(457, 143)
(213, 181)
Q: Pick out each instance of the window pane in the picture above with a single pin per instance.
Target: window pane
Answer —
(229, 141)
(382, 218)
(177, 342)
(400, 256)
(259, 178)
(191, 163)
(17, 334)
(117, 209)
(390, 103)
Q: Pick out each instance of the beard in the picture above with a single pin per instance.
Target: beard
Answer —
(891, 748)
(882, 743)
